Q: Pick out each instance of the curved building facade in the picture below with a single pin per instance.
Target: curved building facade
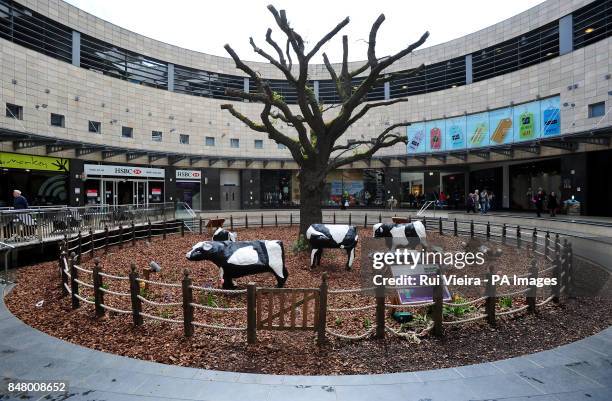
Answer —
(97, 114)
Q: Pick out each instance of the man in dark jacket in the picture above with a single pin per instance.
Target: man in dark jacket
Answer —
(20, 201)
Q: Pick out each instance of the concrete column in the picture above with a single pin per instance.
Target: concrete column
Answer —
(506, 186)
(171, 77)
(76, 186)
(468, 69)
(76, 48)
(210, 191)
(566, 34)
(316, 89)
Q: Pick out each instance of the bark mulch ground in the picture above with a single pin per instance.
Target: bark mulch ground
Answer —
(291, 352)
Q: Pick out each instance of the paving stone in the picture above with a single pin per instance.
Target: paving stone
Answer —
(305, 393)
(500, 386)
(594, 394)
(598, 369)
(515, 364)
(481, 369)
(557, 380)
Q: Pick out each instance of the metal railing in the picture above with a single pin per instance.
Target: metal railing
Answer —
(6, 250)
(38, 225)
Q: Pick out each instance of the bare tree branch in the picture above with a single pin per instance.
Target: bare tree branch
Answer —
(372, 60)
(327, 38)
(370, 106)
(276, 47)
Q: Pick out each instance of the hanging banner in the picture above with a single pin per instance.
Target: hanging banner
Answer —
(416, 138)
(478, 130)
(551, 116)
(435, 130)
(455, 133)
(526, 121)
(124, 171)
(500, 125)
(29, 162)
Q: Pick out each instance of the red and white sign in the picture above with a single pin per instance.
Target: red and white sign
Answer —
(92, 193)
(155, 191)
(124, 171)
(188, 175)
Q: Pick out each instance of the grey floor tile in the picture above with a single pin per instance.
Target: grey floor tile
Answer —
(302, 393)
(515, 364)
(456, 390)
(492, 387)
(218, 391)
(598, 369)
(557, 380)
(438, 374)
(595, 394)
(114, 380)
(478, 370)
(259, 378)
(550, 359)
(170, 387)
(395, 378)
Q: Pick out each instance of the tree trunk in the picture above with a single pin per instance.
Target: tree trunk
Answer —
(312, 184)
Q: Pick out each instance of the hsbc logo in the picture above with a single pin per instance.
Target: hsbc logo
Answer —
(193, 174)
(137, 171)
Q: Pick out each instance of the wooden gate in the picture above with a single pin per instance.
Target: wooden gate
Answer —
(288, 309)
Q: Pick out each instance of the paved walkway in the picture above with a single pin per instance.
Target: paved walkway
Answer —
(574, 372)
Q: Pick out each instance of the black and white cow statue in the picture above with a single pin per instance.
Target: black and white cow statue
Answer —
(322, 236)
(243, 258)
(404, 234)
(221, 234)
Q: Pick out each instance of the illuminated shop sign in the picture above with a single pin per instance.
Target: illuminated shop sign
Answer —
(188, 174)
(124, 171)
(15, 160)
(524, 122)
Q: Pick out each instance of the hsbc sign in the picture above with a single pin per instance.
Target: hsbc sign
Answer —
(188, 175)
(124, 171)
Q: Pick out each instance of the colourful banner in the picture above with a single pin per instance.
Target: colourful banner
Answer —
(500, 123)
(435, 132)
(526, 121)
(417, 138)
(455, 133)
(478, 130)
(29, 162)
(551, 116)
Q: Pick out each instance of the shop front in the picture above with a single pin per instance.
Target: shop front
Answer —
(123, 185)
(362, 188)
(42, 180)
(527, 178)
(188, 188)
(276, 188)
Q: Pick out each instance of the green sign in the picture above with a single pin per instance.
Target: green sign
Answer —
(16, 160)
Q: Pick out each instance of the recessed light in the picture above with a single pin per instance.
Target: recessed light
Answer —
(589, 29)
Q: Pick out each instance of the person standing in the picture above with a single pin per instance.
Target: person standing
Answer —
(529, 195)
(552, 204)
(469, 203)
(484, 201)
(19, 201)
(539, 202)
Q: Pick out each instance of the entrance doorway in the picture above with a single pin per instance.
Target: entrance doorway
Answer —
(230, 197)
(113, 192)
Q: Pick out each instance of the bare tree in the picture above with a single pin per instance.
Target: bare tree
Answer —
(315, 149)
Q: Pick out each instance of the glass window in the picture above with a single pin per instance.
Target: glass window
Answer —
(592, 23)
(57, 120)
(184, 139)
(14, 111)
(205, 83)
(597, 109)
(235, 143)
(127, 132)
(258, 144)
(210, 141)
(281, 146)
(95, 127)
(156, 136)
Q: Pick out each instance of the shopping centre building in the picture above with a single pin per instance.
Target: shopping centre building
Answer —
(96, 114)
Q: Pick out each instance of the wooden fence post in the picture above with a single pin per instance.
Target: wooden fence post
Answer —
(231, 222)
(187, 307)
(533, 289)
(365, 220)
(252, 313)
(350, 219)
(557, 274)
(261, 221)
(380, 312)
(546, 243)
(149, 229)
(62, 266)
(472, 228)
(134, 292)
(79, 243)
(488, 230)
(380, 217)
(455, 228)
(491, 300)
(425, 222)
(334, 217)
(534, 239)
(504, 233)
(133, 234)
(182, 228)
(565, 266)
(518, 236)
(570, 272)
(275, 220)
(290, 219)
(97, 284)
(557, 243)
(120, 236)
(246, 221)
(164, 228)
(201, 225)
(93, 243)
(74, 285)
(438, 307)
(322, 323)
(409, 219)
(106, 238)
(440, 226)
